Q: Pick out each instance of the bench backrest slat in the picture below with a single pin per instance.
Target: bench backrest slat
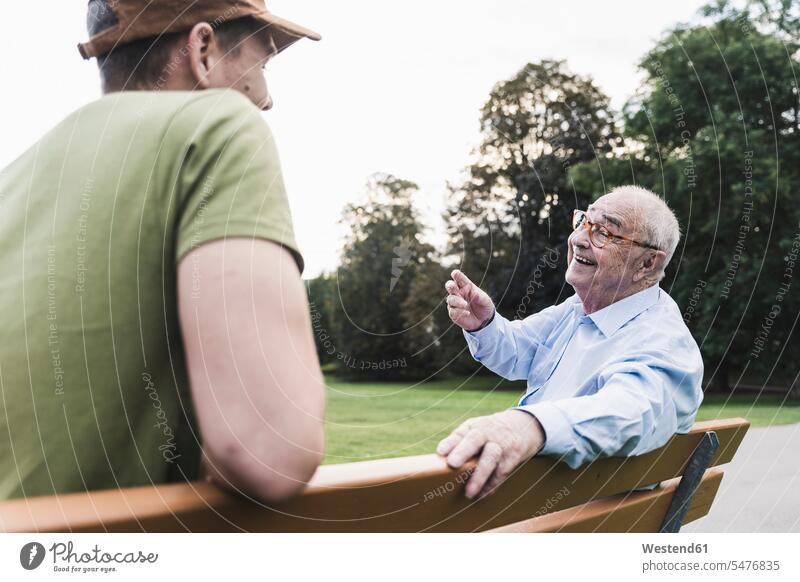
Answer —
(400, 495)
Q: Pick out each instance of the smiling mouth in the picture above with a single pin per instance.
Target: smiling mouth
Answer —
(582, 261)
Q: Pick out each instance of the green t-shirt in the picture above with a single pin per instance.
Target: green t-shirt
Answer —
(94, 219)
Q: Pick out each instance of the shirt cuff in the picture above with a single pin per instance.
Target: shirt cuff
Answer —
(485, 337)
(557, 429)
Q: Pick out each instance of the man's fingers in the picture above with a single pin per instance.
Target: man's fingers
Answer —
(466, 449)
(453, 289)
(457, 302)
(459, 315)
(490, 457)
(461, 280)
(505, 467)
(446, 445)
(497, 479)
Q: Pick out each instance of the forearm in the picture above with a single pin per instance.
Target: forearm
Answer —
(630, 416)
(505, 347)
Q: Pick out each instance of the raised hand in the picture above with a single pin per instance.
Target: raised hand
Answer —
(467, 305)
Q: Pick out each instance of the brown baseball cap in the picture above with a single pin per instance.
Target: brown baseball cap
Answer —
(116, 22)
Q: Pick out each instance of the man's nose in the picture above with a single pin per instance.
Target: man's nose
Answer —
(579, 238)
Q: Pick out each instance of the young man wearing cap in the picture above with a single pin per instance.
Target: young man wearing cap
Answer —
(153, 316)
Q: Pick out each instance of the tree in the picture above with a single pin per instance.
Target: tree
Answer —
(385, 317)
(777, 17)
(511, 215)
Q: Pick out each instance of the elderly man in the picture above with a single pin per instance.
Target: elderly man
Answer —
(611, 371)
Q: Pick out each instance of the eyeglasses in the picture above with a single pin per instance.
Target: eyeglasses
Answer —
(598, 234)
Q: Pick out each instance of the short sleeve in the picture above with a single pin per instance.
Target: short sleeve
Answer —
(230, 182)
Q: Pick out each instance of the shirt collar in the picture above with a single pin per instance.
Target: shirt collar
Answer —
(611, 318)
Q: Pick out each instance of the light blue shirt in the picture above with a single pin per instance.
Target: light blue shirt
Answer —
(618, 382)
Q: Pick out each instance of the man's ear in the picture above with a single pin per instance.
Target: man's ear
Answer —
(650, 263)
(200, 61)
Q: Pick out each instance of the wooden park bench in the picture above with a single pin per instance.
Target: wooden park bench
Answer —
(421, 494)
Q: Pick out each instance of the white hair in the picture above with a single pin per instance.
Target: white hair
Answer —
(656, 220)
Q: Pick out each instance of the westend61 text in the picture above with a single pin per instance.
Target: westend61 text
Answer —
(675, 549)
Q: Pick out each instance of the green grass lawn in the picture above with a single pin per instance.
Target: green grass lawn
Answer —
(369, 421)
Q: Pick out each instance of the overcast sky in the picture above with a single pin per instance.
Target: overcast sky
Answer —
(393, 86)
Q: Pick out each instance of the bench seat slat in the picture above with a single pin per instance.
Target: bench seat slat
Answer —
(638, 512)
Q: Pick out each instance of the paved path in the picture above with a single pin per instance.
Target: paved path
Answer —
(760, 491)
